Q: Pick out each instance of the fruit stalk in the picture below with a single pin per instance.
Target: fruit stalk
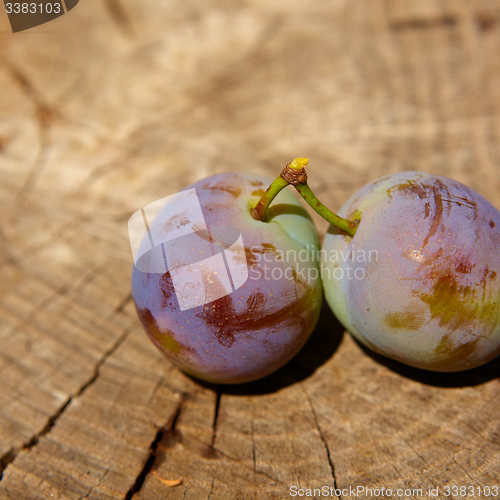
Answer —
(259, 212)
(295, 174)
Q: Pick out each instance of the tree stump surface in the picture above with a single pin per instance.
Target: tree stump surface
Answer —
(119, 103)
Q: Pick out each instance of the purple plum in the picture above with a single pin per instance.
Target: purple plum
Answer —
(274, 298)
(420, 280)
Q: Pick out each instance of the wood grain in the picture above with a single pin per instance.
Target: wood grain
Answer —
(119, 103)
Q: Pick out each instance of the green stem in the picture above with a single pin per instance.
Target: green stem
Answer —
(294, 173)
(260, 210)
(348, 226)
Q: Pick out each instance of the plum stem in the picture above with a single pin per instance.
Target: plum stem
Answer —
(348, 226)
(295, 174)
(259, 212)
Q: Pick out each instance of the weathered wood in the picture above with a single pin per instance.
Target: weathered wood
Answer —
(119, 103)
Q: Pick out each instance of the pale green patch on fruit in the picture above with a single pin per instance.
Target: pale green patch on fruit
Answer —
(169, 343)
(405, 320)
(459, 307)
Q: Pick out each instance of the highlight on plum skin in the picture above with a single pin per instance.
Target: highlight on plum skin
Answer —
(427, 257)
(261, 325)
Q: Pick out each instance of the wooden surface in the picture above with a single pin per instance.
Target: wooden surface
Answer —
(120, 103)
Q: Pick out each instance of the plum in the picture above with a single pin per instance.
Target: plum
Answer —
(419, 281)
(250, 317)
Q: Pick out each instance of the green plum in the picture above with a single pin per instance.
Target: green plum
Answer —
(419, 281)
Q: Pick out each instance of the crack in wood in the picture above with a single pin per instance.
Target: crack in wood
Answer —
(94, 488)
(90, 277)
(44, 112)
(325, 444)
(216, 415)
(121, 306)
(208, 451)
(40, 308)
(11, 455)
(5, 247)
(253, 448)
(6, 459)
(120, 17)
(168, 434)
(62, 291)
(167, 429)
(45, 115)
(39, 163)
(445, 21)
(211, 489)
(103, 359)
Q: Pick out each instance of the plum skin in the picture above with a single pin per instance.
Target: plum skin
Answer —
(428, 294)
(260, 326)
